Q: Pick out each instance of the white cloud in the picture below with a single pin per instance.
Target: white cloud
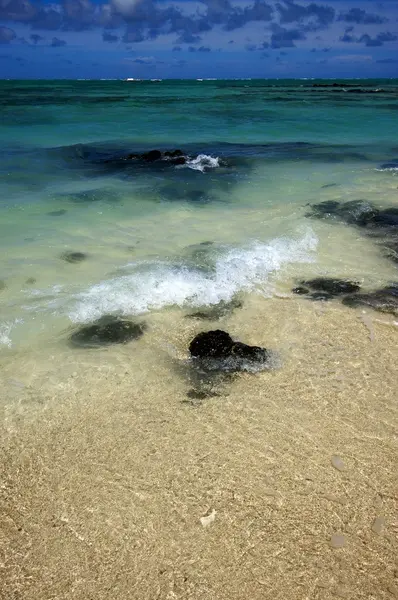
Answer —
(350, 58)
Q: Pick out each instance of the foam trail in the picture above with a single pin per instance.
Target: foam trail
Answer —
(154, 285)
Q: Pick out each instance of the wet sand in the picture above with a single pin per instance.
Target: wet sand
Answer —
(108, 471)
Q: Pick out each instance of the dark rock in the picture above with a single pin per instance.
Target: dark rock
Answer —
(325, 288)
(174, 157)
(105, 331)
(180, 160)
(151, 156)
(328, 185)
(334, 287)
(31, 280)
(57, 213)
(321, 296)
(213, 313)
(215, 344)
(390, 165)
(217, 351)
(354, 212)
(250, 353)
(2, 285)
(301, 290)
(383, 300)
(73, 257)
(386, 218)
(174, 153)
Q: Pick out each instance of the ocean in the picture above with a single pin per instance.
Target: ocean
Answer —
(136, 216)
(259, 153)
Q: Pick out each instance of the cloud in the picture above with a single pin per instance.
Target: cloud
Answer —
(347, 37)
(177, 49)
(17, 10)
(48, 19)
(378, 40)
(312, 17)
(204, 49)
(361, 17)
(133, 36)
(109, 37)
(36, 38)
(144, 60)
(366, 39)
(285, 38)
(388, 61)
(188, 38)
(352, 58)
(7, 35)
(238, 17)
(57, 43)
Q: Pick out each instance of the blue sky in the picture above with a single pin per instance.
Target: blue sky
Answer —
(205, 38)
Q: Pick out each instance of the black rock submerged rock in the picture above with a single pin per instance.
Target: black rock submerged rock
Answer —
(380, 223)
(73, 257)
(57, 213)
(229, 355)
(326, 288)
(356, 212)
(107, 330)
(175, 157)
(383, 300)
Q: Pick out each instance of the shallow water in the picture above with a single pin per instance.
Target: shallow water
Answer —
(129, 468)
(232, 220)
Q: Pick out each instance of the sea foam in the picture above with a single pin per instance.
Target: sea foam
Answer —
(153, 285)
(203, 162)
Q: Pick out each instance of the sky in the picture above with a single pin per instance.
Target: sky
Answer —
(192, 39)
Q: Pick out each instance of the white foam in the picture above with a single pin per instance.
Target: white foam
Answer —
(203, 162)
(154, 285)
(5, 330)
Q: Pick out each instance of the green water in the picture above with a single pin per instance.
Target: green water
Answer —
(271, 148)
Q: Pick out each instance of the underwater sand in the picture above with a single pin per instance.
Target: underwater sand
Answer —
(108, 471)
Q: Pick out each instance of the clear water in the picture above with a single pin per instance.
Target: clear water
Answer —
(270, 148)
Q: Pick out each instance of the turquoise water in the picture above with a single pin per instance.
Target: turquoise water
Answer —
(158, 235)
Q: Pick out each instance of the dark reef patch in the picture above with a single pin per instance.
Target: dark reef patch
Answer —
(356, 212)
(383, 300)
(323, 288)
(107, 330)
(73, 257)
(380, 223)
(329, 286)
(57, 213)
(92, 195)
(184, 192)
(390, 165)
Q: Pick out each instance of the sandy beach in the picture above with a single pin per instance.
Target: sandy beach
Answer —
(115, 485)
